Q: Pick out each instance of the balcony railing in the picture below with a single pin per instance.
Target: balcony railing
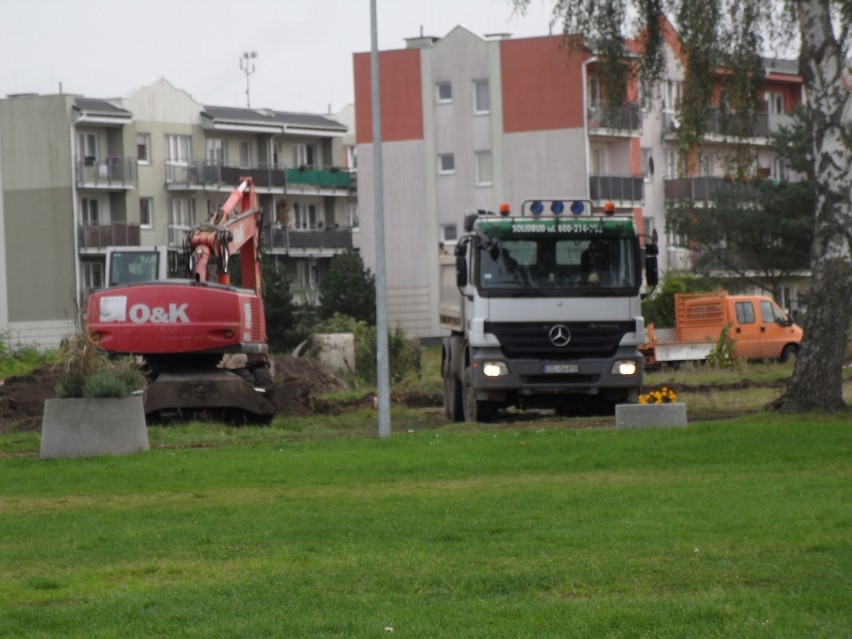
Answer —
(731, 124)
(207, 175)
(608, 187)
(699, 189)
(104, 235)
(287, 240)
(626, 118)
(112, 172)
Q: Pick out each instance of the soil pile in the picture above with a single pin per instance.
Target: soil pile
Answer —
(298, 382)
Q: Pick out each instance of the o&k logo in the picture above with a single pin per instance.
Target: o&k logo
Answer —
(143, 314)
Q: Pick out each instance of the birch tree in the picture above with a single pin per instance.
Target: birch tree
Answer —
(732, 34)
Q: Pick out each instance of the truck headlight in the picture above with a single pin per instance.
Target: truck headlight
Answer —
(494, 369)
(624, 367)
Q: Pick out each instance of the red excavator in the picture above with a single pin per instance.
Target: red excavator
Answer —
(184, 329)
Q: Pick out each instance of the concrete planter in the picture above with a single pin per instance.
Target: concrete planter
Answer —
(90, 427)
(645, 415)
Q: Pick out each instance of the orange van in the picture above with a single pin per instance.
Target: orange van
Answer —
(759, 328)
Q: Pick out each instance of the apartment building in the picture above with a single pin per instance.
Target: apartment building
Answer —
(79, 175)
(469, 122)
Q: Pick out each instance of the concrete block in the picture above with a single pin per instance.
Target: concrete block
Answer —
(644, 415)
(90, 427)
(336, 351)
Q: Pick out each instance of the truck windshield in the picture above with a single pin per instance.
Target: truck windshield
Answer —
(537, 265)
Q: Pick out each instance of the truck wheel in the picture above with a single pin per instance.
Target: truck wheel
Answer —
(790, 351)
(476, 410)
(453, 408)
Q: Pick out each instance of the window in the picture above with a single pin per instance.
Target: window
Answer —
(89, 212)
(446, 163)
(674, 164)
(779, 170)
(303, 155)
(770, 314)
(143, 148)
(215, 151)
(594, 92)
(705, 164)
(93, 275)
(597, 161)
(481, 97)
(776, 103)
(146, 212)
(305, 216)
(179, 149)
(245, 154)
(449, 233)
(745, 312)
(444, 92)
(87, 148)
(673, 95)
(351, 157)
(307, 274)
(352, 215)
(181, 218)
(484, 170)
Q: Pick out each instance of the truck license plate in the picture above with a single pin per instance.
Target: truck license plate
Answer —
(555, 369)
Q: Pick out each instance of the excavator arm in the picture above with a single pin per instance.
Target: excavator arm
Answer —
(234, 227)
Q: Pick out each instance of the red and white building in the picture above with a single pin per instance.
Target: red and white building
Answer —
(470, 122)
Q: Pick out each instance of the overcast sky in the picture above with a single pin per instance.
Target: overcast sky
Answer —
(110, 48)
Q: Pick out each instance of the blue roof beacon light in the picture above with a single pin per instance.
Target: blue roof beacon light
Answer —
(537, 208)
(557, 207)
(577, 207)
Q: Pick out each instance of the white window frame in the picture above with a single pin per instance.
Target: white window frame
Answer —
(307, 274)
(146, 212)
(484, 168)
(245, 154)
(647, 163)
(181, 218)
(143, 148)
(449, 234)
(779, 169)
(443, 92)
(214, 151)
(303, 155)
(90, 211)
(596, 161)
(305, 216)
(446, 164)
(87, 147)
(481, 97)
(594, 91)
(179, 149)
(92, 274)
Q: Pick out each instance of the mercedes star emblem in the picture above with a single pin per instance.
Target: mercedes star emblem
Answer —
(560, 335)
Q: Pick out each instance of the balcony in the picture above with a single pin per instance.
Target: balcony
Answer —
(308, 243)
(101, 236)
(726, 123)
(207, 176)
(603, 120)
(212, 176)
(617, 189)
(700, 189)
(112, 173)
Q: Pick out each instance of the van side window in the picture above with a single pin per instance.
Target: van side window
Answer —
(745, 312)
(768, 313)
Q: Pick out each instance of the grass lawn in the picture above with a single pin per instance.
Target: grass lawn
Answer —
(736, 528)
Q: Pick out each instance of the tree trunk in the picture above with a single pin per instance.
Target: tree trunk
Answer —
(817, 382)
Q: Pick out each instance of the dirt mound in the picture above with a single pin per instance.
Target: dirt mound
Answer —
(298, 382)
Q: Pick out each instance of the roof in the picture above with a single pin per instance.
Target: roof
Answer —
(272, 119)
(94, 106)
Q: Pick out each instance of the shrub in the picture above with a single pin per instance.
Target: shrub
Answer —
(725, 350)
(86, 371)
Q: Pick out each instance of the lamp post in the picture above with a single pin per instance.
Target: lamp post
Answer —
(247, 67)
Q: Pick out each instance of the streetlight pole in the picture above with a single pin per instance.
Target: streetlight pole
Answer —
(247, 67)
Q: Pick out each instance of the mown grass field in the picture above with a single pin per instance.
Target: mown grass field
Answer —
(729, 528)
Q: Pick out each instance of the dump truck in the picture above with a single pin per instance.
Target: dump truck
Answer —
(758, 327)
(543, 310)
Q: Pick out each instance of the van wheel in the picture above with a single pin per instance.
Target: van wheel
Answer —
(474, 409)
(790, 351)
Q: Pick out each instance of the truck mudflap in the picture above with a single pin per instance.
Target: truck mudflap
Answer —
(218, 390)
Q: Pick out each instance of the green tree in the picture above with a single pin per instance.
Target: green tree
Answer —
(732, 34)
(284, 327)
(348, 288)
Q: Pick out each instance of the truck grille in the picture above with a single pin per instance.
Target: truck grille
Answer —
(530, 340)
